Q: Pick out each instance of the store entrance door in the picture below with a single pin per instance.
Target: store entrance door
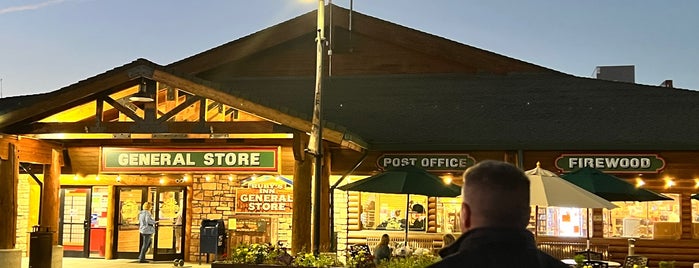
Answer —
(126, 235)
(168, 204)
(74, 222)
(169, 234)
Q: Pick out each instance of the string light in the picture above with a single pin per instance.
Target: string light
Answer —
(118, 178)
(640, 182)
(669, 182)
(230, 177)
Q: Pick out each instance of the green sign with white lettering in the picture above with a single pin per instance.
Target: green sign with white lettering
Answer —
(190, 159)
(613, 163)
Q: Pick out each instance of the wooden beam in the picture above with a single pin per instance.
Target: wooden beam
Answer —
(301, 215)
(9, 175)
(189, 101)
(172, 127)
(50, 197)
(210, 92)
(73, 95)
(325, 202)
(128, 112)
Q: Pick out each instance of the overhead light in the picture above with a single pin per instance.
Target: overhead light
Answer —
(142, 95)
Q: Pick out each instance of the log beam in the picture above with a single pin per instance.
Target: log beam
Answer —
(52, 176)
(9, 174)
(301, 216)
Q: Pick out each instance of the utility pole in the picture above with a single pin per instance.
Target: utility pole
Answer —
(315, 146)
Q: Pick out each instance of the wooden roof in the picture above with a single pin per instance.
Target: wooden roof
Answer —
(17, 112)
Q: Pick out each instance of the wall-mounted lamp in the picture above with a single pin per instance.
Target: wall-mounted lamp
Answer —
(142, 95)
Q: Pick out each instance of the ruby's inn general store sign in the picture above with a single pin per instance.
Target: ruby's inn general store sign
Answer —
(265, 194)
(260, 159)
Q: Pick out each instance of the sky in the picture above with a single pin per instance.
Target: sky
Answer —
(46, 45)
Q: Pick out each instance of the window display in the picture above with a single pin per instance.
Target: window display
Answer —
(449, 215)
(387, 212)
(562, 221)
(652, 219)
(695, 218)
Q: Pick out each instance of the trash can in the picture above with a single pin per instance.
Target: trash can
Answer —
(40, 247)
(212, 238)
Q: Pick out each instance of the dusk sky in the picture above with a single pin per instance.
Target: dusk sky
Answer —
(49, 44)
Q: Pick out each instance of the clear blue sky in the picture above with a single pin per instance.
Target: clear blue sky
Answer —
(49, 44)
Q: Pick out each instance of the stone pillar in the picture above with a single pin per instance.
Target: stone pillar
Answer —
(9, 173)
(50, 200)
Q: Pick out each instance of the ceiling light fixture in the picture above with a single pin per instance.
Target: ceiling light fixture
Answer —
(142, 95)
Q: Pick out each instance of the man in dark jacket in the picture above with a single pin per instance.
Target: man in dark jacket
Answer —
(494, 217)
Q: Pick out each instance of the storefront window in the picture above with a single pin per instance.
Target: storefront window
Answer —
(449, 215)
(695, 218)
(387, 212)
(652, 219)
(562, 221)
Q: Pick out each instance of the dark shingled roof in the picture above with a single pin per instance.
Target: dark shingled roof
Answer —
(517, 111)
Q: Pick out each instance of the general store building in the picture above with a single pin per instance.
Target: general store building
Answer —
(225, 135)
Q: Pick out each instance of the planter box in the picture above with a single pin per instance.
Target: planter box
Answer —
(243, 265)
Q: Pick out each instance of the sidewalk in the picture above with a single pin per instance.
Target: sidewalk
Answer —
(120, 263)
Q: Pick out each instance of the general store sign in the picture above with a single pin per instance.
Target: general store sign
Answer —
(264, 198)
(613, 163)
(430, 162)
(190, 159)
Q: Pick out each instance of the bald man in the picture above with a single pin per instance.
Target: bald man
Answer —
(494, 218)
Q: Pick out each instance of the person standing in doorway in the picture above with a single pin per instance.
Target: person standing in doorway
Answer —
(146, 226)
(494, 217)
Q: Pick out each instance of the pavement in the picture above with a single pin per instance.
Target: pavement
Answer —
(118, 263)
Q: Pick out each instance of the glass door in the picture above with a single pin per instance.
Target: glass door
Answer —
(169, 212)
(126, 236)
(74, 222)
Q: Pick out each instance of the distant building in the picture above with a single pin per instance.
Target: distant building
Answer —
(625, 73)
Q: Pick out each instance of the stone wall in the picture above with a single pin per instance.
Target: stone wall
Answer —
(213, 198)
(23, 197)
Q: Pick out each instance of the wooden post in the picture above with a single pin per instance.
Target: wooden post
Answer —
(52, 183)
(301, 215)
(325, 204)
(9, 176)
